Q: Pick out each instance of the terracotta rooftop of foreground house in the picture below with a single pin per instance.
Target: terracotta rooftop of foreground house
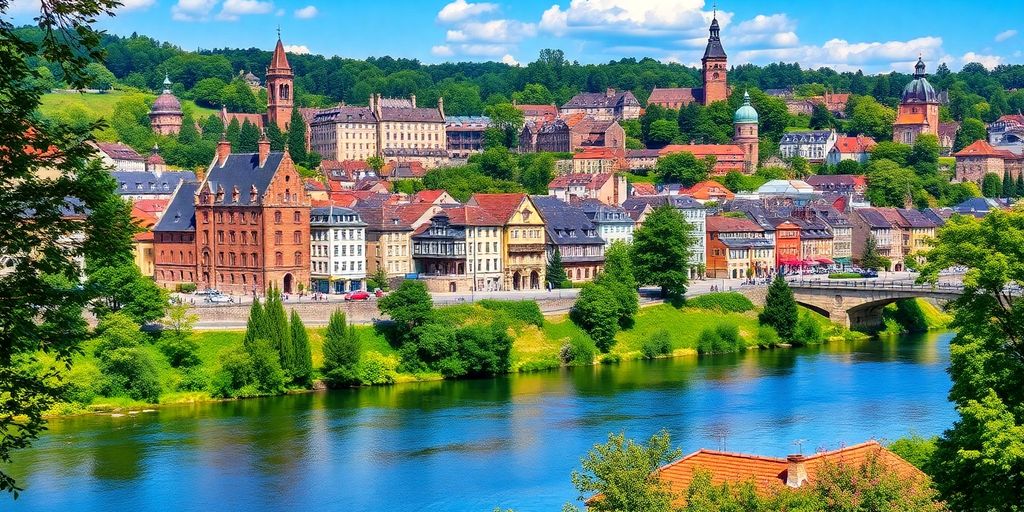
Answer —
(858, 144)
(773, 473)
(502, 206)
(721, 224)
(981, 147)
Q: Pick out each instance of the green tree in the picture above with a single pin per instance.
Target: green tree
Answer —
(303, 370)
(991, 185)
(278, 333)
(623, 473)
(536, 172)
(597, 312)
(1020, 185)
(130, 372)
(232, 131)
(979, 462)
(893, 151)
(255, 327)
(821, 118)
(970, 130)
(682, 168)
(508, 120)
(213, 127)
(297, 138)
(1009, 188)
(176, 341)
(379, 279)
(663, 132)
(248, 138)
(555, 272)
(341, 351)
(924, 156)
(780, 310)
(376, 163)
(208, 92)
(123, 288)
(872, 118)
(889, 184)
(661, 251)
(871, 259)
(408, 306)
(99, 76)
(618, 277)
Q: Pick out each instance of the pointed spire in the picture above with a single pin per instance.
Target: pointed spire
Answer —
(919, 67)
(279, 61)
(167, 83)
(746, 97)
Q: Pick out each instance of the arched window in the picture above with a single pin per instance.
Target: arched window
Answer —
(255, 260)
(297, 237)
(298, 258)
(277, 217)
(296, 217)
(279, 259)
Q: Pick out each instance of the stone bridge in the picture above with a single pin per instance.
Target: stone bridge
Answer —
(858, 303)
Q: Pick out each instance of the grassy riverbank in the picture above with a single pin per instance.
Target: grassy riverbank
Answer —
(534, 348)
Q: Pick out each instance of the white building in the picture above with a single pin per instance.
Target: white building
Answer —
(812, 146)
(337, 250)
(612, 222)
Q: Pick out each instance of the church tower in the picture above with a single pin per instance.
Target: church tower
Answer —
(745, 133)
(714, 65)
(279, 88)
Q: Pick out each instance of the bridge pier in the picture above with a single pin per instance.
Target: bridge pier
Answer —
(858, 304)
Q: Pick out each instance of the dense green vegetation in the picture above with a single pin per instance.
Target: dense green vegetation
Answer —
(733, 302)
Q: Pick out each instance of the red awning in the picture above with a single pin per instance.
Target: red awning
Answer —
(826, 261)
(809, 261)
(791, 262)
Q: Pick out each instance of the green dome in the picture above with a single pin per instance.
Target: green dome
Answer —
(746, 113)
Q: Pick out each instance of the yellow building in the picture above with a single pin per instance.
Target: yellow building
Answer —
(143, 246)
(919, 229)
(523, 257)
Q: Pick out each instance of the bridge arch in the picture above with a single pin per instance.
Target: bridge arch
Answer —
(858, 304)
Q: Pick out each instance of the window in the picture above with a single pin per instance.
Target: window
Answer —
(297, 217)
(278, 237)
(298, 258)
(277, 217)
(279, 259)
(297, 237)
(220, 237)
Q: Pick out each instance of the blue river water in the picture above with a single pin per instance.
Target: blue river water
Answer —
(474, 445)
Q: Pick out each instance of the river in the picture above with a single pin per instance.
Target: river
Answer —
(476, 445)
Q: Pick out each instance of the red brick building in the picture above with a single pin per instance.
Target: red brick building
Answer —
(247, 224)
(728, 157)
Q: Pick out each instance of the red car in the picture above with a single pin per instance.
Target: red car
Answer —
(357, 295)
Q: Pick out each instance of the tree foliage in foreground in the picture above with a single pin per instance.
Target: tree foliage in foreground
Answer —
(661, 251)
(979, 462)
(40, 306)
(780, 310)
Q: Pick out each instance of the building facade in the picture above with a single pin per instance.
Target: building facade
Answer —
(612, 222)
(606, 106)
(337, 250)
(811, 145)
(1007, 133)
(980, 158)
(465, 135)
(856, 148)
(918, 113)
(165, 116)
(737, 249)
(524, 258)
(744, 123)
(574, 236)
(174, 239)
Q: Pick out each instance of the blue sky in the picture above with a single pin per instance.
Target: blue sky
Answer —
(873, 35)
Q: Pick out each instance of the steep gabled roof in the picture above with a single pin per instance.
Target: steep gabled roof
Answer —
(243, 170)
(180, 214)
(724, 224)
(673, 95)
(981, 147)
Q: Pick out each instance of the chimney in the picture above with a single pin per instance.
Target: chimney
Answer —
(223, 149)
(412, 98)
(440, 106)
(796, 473)
(263, 148)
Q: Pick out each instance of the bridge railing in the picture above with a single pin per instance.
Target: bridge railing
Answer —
(876, 284)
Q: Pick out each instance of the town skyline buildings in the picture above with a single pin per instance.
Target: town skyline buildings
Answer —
(588, 32)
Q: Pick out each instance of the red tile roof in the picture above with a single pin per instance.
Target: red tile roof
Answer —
(644, 189)
(671, 96)
(546, 111)
(279, 61)
(471, 216)
(119, 151)
(910, 118)
(502, 206)
(314, 184)
(153, 206)
(721, 224)
(858, 144)
(983, 148)
(708, 190)
(426, 196)
(598, 153)
(770, 473)
(589, 181)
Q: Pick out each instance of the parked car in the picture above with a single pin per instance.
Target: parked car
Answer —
(219, 298)
(357, 295)
(869, 273)
(208, 291)
(379, 293)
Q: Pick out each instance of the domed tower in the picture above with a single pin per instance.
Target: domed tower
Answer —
(279, 88)
(166, 116)
(919, 109)
(744, 124)
(714, 67)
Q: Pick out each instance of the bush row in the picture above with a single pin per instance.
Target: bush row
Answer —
(732, 302)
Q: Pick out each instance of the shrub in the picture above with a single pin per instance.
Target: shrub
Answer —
(578, 351)
(730, 335)
(539, 365)
(526, 311)
(658, 345)
(708, 341)
(915, 449)
(767, 337)
(130, 372)
(341, 351)
(375, 368)
(611, 359)
(181, 351)
(807, 330)
(844, 275)
(597, 311)
(117, 330)
(251, 371)
(723, 301)
(780, 310)
(235, 372)
(185, 287)
(193, 378)
(268, 376)
(84, 383)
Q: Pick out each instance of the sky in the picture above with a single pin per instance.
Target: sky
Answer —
(873, 35)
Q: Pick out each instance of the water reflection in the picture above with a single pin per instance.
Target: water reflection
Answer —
(474, 445)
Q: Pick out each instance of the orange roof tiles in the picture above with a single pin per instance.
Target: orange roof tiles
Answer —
(598, 153)
(279, 61)
(770, 473)
(502, 206)
(471, 216)
(910, 118)
(858, 144)
(587, 180)
(983, 148)
(708, 190)
(644, 189)
(721, 224)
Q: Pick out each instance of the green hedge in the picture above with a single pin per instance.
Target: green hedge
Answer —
(844, 275)
(526, 311)
(733, 302)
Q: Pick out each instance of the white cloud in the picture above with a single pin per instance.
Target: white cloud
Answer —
(279, 13)
(1004, 35)
(770, 23)
(442, 50)
(510, 60)
(132, 5)
(841, 55)
(494, 31)
(297, 49)
(483, 50)
(460, 10)
(232, 9)
(307, 12)
(192, 10)
(633, 17)
(989, 61)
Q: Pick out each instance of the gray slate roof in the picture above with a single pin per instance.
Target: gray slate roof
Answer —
(145, 182)
(180, 214)
(242, 170)
(602, 99)
(807, 137)
(566, 225)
